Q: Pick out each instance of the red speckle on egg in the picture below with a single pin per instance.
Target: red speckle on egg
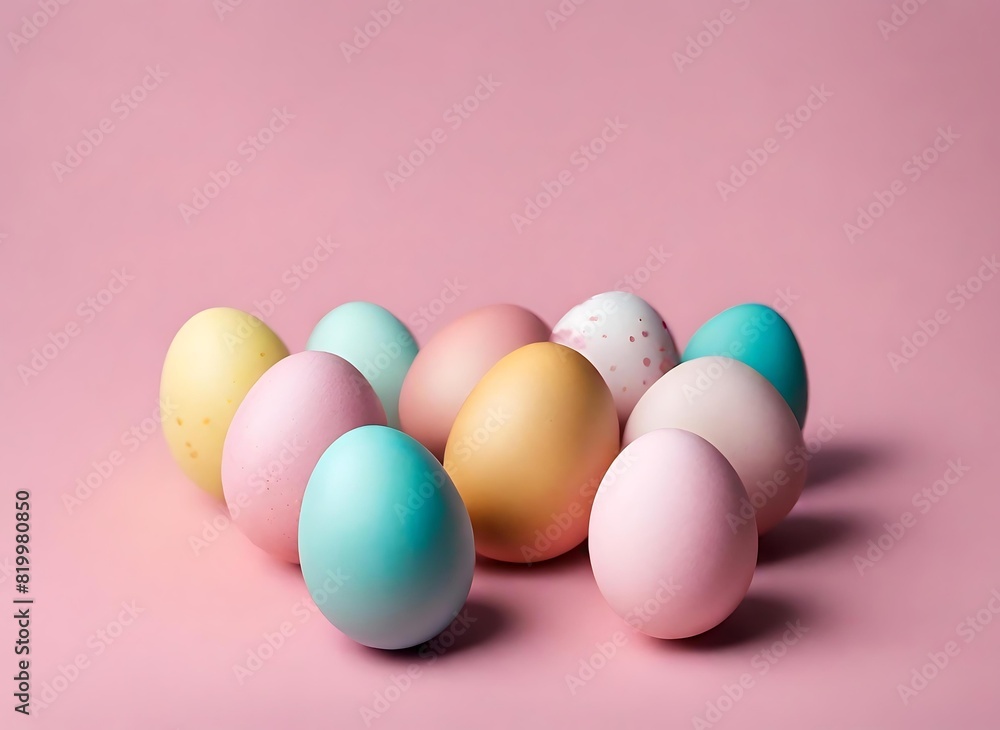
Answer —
(593, 319)
(645, 333)
(663, 349)
(664, 365)
(624, 389)
(613, 368)
(646, 361)
(631, 339)
(663, 323)
(604, 337)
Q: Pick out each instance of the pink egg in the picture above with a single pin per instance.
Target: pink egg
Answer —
(297, 408)
(739, 412)
(665, 556)
(455, 359)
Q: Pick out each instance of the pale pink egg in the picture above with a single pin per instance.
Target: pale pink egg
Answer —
(297, 408)
(455, 359)
(739, 412)
(665, 555)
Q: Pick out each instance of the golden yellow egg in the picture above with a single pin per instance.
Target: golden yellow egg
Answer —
(212, 362)
(528, 449)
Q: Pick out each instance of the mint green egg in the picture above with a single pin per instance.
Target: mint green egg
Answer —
(757, 336)
(385, 541)
(375, 342)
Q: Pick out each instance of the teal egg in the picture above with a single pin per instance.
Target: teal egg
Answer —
(375, 342)
(757, 336)
(385, 541)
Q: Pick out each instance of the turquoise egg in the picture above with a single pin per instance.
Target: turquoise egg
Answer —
(375, 342)
(385, 541)
(757, 336)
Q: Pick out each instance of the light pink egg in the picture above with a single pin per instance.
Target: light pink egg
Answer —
(665, 556)
(739, 412)
(297, 408)
(455, 359)
(625, 338)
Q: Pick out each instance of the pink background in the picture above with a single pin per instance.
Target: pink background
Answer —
(654, 186)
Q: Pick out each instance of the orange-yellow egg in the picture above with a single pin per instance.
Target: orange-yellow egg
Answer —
(528, 449)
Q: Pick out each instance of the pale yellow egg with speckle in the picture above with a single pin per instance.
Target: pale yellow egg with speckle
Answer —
(214, 359)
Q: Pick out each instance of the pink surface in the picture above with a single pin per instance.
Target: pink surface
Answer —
(624, 153)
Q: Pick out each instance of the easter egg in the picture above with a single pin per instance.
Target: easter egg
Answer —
(448, 367)
(385, 542)
(211, 364)
(663, 551)
(527, 450)
(625, 338)
(375, 342)
(289, 417)
(757, 336)
(738, 411)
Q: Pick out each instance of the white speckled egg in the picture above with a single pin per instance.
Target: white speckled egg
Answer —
(625, 338)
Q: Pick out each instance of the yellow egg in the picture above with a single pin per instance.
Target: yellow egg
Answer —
(528, 449)
(211, 364)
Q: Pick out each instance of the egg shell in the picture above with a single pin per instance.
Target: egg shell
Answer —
(385, 542)
(213, 361)
(291, 415)
(739, 412)
(374, 341)
(758, 336)
(448, 367)
(528, 449)
(625, 338)
(660, 534)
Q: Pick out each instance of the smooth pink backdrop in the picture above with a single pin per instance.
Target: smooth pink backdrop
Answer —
(448, 227)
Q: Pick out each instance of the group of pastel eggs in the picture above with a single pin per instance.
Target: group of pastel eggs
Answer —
(382, 469)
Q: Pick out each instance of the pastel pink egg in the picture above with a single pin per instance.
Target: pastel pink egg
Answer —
(664, 554)
(453, 361)
(739, 412)
(297, 408)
